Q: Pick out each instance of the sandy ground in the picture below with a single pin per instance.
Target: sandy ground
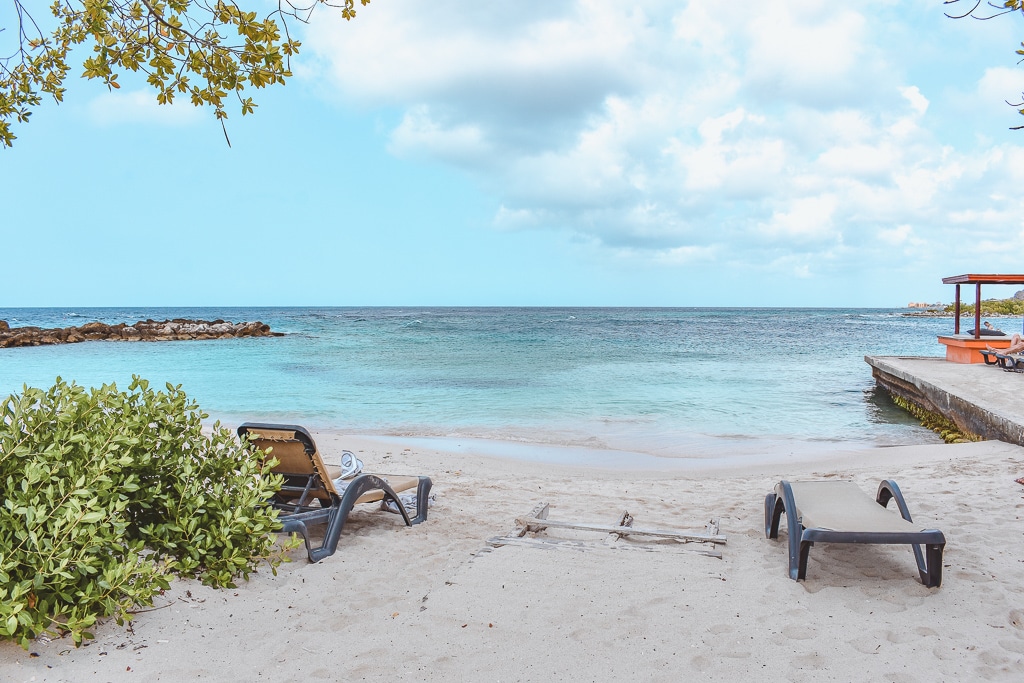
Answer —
(435, 602)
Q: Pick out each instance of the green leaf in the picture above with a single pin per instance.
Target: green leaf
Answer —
(95, 534)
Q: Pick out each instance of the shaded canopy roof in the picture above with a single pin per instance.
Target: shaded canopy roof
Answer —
(984, 280)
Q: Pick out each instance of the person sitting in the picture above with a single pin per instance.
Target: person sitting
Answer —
(987, 330)
(1016, 345)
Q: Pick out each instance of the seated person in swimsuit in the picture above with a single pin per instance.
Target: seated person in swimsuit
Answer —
(1016, 345)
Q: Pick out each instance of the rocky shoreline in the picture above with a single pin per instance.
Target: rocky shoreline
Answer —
(178, 329)
(949, 314)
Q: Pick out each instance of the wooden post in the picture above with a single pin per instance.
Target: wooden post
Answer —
(977, 311)
(956, 312)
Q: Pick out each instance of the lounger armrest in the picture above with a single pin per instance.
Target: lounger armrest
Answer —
(889, 490)
(370, 482)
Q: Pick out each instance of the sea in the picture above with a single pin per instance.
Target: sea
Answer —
(560, 384)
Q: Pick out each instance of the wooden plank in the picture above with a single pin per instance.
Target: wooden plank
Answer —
(539, 512)
(712, 528)
(550, 543)
(625, 521)
(624, 531)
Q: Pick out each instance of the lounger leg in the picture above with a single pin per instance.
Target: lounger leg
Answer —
(798, 548)
(932, 578)
(422, 499)
(773, 509)
(332, 535)
(805, 551)
(296, 527)
(391, 496)
(771, 520)
(930, 570)
(335, 524)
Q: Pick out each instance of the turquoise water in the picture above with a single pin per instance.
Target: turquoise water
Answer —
(657, 381)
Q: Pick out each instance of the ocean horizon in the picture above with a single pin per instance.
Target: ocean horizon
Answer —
(663, 382)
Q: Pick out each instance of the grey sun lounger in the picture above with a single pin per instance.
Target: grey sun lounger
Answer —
(990, 357)
(309, 496)
(840, 512)
(1011, 362)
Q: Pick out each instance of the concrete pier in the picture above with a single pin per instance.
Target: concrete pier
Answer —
(980, 399)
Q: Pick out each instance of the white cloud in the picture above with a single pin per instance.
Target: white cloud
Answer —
(420, 134)
(688, 255)
(140, 106)
(791, 133)
(901, 235)
(1001, 83)
(918, 101)
(513, 219)
(808, 218)
(809, 51)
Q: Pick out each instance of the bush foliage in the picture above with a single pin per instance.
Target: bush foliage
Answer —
(992, 307)
(107, 494)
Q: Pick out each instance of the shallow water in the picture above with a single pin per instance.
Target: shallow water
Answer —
(665, 382)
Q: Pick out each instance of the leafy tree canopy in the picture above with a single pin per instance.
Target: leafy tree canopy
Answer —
(205, 50)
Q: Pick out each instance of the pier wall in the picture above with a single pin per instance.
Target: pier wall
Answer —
(980, 400)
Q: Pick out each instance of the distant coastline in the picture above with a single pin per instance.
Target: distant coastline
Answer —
(179, 329)
(931, 313)
(1012, 307)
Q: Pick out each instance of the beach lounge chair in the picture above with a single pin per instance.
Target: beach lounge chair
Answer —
(1011, 362)
(309, 495)
(840, 512)
(990, 357)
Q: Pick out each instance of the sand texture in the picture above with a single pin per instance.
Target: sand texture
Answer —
(435, 602)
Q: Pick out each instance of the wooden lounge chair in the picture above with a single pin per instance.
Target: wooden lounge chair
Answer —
(839, 512)
(309, 495)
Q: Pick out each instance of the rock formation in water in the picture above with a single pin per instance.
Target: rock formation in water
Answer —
(144, 330)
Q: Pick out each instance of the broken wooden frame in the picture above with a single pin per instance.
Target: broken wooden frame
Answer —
(538, 521)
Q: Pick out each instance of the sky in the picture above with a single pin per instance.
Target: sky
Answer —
(544, 153)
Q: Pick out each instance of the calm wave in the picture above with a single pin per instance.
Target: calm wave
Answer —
(658, 381)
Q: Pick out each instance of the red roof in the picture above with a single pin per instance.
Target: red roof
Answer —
(984, 280)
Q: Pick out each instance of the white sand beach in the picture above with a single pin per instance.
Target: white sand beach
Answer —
(435, 602)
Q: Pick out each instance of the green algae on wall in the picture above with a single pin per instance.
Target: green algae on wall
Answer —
(942, 426)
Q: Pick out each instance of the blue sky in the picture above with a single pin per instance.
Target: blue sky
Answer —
(556, 152)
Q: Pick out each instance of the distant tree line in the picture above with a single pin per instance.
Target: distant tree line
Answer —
(992, 307)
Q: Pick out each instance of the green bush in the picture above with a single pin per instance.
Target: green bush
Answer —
(107, 494)
(992, 307)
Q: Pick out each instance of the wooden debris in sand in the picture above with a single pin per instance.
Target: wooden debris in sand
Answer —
(538, 521)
